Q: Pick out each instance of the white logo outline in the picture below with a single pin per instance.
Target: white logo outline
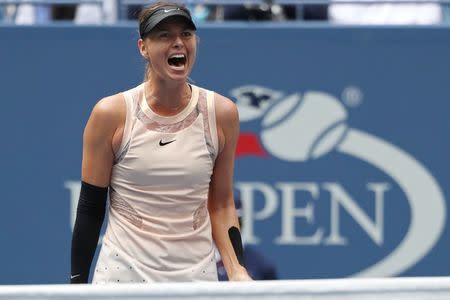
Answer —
(425, 199)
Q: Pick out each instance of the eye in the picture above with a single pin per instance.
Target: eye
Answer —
(187, 33)
(163, 34)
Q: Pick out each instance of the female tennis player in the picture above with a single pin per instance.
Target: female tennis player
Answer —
(164, 152)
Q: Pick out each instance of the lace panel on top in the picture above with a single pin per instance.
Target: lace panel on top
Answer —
(200, 108)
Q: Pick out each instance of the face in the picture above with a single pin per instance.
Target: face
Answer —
(171, 49)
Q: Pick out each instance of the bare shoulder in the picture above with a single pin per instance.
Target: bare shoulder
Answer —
(226, 110)
(109, 112)
(227, 119)
(98, 139)
(112, 108)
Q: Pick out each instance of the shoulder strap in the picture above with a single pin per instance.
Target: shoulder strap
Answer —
(212, 120)
(131, 101)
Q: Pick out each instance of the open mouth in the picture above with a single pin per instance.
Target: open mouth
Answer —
(177, 60)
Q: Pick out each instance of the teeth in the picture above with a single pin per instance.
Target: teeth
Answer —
(177, 56)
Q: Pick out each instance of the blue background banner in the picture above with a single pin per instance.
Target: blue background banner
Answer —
(342, 165)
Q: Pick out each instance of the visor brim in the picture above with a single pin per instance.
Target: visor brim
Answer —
(164, 14)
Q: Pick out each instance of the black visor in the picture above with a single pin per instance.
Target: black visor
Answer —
(161, 14)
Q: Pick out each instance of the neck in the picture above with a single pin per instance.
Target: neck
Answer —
(167, 98)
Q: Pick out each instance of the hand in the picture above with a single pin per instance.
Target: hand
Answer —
(240, 276)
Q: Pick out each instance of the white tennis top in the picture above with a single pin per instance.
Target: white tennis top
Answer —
(158, 226)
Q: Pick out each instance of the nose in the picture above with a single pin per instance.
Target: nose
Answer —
(178, 43)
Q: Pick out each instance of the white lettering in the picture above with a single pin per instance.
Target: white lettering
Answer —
(290, 212)
(340, 196)
(247, 192)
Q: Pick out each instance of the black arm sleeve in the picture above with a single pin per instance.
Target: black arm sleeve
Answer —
(236, 240)
(89, 220)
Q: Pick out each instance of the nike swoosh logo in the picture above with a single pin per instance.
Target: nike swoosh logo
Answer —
(169, 10)
(74, 276)
(161, 143)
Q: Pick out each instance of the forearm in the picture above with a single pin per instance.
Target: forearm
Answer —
(84, 243)
(226, 234)
(90, 215)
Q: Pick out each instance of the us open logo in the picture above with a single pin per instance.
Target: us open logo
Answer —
(291, 135)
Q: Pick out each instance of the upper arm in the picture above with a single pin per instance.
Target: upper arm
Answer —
(228, 131)
(107, 117)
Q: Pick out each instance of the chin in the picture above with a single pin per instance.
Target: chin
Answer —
(179, 77)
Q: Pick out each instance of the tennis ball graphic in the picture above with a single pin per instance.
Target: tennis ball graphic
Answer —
(298, 129)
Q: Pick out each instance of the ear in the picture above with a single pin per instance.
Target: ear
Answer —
(142, 48)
